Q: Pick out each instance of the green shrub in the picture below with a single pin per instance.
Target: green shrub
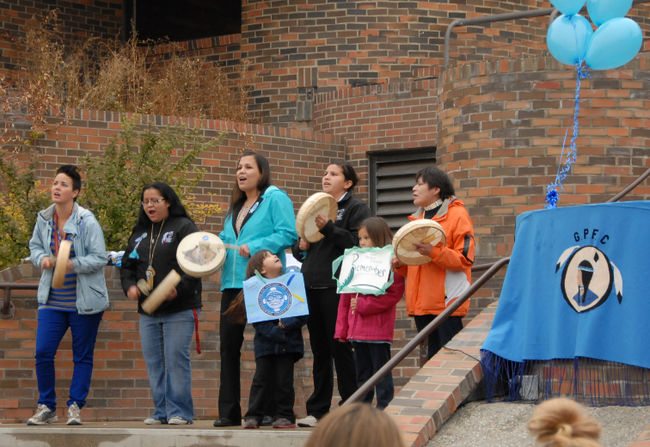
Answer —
(20, 200)
(135, 158)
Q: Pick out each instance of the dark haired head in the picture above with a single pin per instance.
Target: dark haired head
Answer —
(256, 262)
(378, 231)
(73, 172)
(436, 177)
(348, 172)
(176, 208)
(264, 182)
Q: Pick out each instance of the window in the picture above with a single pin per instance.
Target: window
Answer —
(391, 178)
(183, 20)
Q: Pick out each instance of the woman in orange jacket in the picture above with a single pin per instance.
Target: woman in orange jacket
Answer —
(433, 286)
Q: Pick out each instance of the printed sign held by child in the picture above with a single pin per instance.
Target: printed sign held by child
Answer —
(272, 299)
(364, 270)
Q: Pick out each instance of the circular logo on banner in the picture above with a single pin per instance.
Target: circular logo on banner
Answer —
(587, 279)
(274, 299)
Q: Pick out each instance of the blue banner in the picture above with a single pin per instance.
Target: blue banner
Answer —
(577, 286)
(272, 299)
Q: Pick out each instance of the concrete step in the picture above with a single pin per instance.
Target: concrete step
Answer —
(133, 434)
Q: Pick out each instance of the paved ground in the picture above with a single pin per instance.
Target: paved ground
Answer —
(504, 425)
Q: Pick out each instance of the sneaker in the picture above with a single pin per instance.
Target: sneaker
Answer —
(250, 423)
(177, 420)
(224, 422)
(152, 421)
(309, 421)
(42, 416)
(284, 423)
(266, 421)
(74, 414)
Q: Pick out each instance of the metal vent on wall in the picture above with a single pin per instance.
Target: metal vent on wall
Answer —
(391, 178)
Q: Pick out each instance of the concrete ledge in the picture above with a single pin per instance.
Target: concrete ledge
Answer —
(121, 434)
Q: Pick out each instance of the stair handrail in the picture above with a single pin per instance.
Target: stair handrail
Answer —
(630, 187)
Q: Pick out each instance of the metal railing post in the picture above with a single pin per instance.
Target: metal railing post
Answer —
(7, 310)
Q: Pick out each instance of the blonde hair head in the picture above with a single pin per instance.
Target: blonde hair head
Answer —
(562, 422)
(357, 424)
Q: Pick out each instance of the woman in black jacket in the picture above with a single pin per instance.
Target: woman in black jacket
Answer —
(165, 335)
(338, 181)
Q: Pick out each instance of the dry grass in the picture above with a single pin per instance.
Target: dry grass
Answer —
(116, 76)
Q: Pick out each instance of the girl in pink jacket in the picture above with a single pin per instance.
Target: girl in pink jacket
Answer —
(368, 321)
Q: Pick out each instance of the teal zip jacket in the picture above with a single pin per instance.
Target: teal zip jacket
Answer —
(269, 225)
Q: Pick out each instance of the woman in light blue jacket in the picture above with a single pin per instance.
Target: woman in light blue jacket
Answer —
(78, 304)
(260, 217)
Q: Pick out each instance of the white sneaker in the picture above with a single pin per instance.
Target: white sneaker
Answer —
(42, 416)
(177, 420)
(309, 421)
(152, 421)
(74, 414)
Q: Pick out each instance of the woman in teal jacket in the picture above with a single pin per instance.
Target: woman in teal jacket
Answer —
(260, 217)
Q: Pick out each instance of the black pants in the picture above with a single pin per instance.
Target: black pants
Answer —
(368, 359)
(323, 307)
(444, 333)
(273, 378)
(231, 340)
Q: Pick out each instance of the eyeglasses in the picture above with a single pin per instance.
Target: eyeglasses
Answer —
(152, 202)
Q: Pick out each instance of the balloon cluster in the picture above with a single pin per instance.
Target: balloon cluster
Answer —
(572, 40)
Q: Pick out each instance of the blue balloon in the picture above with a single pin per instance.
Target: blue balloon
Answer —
(568, 38)
(600, 11)
(615, 43)
(568, 7)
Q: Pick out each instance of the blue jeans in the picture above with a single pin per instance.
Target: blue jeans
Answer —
(52, 326)
(166, 348)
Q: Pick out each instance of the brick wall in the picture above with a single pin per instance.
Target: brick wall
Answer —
(369, 42)
(503, 124)
(361, 42)
(79, 18)
(398, 114)
(220, 50)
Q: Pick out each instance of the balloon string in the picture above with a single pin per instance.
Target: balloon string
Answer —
(552, 190)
